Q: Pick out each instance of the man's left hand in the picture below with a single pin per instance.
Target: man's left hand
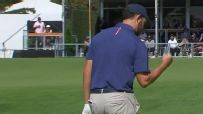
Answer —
(86, 109)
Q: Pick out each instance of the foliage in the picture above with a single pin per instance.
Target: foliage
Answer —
(21, 11)
(74, 3)
(5, 3)
(78, 16)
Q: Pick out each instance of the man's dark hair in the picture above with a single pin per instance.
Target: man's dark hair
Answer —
(39, 18)
(127, 15)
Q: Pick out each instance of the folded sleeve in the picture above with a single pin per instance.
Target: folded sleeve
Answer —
(90, 53)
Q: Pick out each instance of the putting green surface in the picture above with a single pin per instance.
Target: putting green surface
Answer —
(54, 86)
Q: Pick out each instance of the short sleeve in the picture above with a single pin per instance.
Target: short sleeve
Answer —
(90, 52)
(43, 24)
(141, 59)
(35, 24)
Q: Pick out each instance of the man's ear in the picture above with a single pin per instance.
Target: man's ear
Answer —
(139, 18)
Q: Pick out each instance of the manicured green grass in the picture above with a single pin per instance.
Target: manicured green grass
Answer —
(177, 91)
(54, 86)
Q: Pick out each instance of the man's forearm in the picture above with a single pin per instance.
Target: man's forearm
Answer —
(145, 79)
(87, 79)
(156, 73)
(86, 90)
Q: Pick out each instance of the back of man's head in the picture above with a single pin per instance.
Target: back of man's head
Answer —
(134, 9)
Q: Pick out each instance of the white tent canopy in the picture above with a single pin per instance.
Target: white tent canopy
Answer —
(12, 23)
(46, 9)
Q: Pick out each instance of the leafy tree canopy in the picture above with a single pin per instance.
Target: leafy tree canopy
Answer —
(74, 3)
(5, 3)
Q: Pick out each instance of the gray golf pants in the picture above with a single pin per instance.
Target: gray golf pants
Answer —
(114, 103)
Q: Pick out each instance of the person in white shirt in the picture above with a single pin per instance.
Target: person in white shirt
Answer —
(173, 45)
(39, 27)
(150, 45)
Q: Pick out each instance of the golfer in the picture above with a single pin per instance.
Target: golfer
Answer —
(116, 56)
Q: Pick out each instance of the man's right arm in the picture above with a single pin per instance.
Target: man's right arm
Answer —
(35, 25)
(86, 85)
(87, 79)
(145, 79)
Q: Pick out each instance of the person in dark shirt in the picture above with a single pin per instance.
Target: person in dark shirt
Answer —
(115, 57)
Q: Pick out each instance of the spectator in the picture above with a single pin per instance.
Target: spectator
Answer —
(49, 39)
(201, 37)
(150, 45)
(173, 45)
(39, 27)
(197, 47)
(193, 38)
(48, 29)
(184, 47)
(86, 44)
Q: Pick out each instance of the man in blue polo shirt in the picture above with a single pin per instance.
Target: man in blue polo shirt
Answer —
(115, 57)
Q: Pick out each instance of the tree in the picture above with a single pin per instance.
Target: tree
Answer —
(74, 3)
(6, 3)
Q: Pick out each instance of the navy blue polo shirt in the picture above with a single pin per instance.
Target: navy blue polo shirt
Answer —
(117, 55)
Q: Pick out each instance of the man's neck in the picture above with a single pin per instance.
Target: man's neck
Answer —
(130, 23)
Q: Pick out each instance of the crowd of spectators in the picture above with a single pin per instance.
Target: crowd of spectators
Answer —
(187, 43)
(180, 40)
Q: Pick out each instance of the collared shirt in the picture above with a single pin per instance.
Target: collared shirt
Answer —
(173, 43)
(117, 55)
(41, 28)
(150, 44)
